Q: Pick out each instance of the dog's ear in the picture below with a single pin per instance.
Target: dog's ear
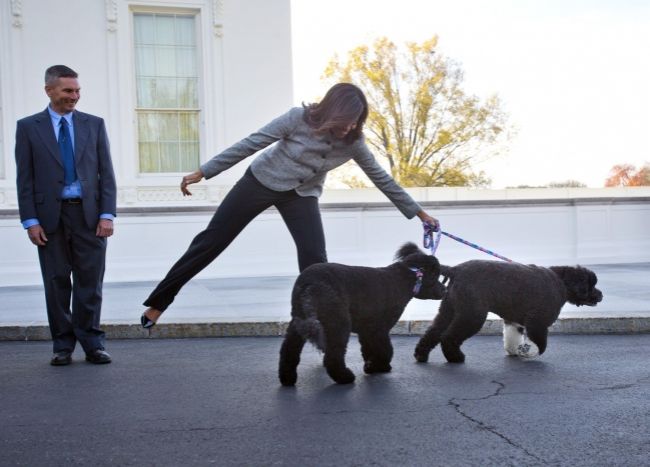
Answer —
(428, 263)
(572, 276)
(406, 250)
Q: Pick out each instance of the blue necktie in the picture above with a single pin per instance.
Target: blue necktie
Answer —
(67, 153)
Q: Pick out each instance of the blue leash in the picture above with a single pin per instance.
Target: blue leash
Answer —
(433, 243)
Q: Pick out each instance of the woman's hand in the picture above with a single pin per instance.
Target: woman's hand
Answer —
(424, 217)
(188, 179)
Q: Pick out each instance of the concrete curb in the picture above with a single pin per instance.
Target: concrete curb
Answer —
(631, 325)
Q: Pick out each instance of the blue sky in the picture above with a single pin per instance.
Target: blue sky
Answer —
(574, 76)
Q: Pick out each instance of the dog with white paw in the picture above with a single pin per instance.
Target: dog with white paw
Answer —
(528, 298)
(516, 343)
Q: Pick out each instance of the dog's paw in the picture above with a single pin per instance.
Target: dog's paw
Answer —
(288, 378)
(369, 368)
(456, 358)
(421, 353)
(343, 377)
(452, 353)
(527, 350)
(421, 357)
(513, 338)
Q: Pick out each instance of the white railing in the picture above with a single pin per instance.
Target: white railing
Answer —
(583, 227)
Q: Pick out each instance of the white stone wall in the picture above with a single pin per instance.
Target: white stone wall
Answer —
(591, 228)
(246, 77)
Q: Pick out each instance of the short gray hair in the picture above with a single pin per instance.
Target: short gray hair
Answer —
(58, 71)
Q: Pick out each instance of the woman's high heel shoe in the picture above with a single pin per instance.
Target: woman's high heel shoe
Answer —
(146, 322)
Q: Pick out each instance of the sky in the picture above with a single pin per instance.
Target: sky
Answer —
(573, 75)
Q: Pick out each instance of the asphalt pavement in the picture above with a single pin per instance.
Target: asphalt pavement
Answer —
(173, 402)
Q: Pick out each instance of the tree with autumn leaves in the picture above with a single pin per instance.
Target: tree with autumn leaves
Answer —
(428, 129)
(628, 175)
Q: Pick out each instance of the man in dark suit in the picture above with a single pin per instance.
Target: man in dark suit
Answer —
(67, 199)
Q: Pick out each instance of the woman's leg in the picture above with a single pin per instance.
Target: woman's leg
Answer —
(302, 217)
(242, 204)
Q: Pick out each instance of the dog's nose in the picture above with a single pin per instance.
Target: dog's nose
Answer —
(599, 296)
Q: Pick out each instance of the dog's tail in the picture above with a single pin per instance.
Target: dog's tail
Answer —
(312, 330)
(304, 317)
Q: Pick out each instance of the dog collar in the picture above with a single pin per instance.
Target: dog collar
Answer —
(418, 280)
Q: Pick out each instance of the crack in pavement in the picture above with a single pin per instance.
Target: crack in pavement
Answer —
(456, 405)
(616, 387)
(203, 428)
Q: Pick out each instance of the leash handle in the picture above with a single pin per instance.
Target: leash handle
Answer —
(429, 241)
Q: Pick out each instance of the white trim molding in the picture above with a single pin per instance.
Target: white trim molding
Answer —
(217, 17)
(17, 13)
(111, 15)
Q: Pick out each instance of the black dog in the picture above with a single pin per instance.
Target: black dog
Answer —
(331, 300)
(527, 297)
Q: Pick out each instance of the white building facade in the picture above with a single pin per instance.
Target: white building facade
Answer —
(179, 80)
(175, 80)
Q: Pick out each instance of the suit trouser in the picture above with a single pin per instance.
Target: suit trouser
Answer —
(73, 249)
(242, 204)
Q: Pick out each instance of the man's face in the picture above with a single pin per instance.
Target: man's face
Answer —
(64, 95)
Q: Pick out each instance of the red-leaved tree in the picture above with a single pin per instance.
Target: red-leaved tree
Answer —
(628, 175)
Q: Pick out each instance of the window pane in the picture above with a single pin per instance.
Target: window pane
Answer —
(185, 30)
(166, 93)
(189, 127)
(2, 166)
(169, 127)
(166, 68)
(170, 60)
(165, 30)
(144, 29)
(187, 93)
(185, 62)
(149, 157)
(145, 61)
(146, 88)
(169, 157)
(165, 61)
(168, 141)
(147, 127)
(189, 156)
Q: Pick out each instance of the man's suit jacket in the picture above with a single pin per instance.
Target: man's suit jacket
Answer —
(40, 169)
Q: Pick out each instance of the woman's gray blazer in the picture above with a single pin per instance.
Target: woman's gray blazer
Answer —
(300, 160)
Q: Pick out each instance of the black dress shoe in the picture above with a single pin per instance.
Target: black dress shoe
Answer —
(98, 356)
(146, 322)
(61, 358)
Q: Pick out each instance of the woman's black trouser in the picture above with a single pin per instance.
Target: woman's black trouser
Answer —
(242, 204)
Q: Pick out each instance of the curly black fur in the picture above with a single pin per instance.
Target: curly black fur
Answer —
(527, 297)
(331, 300)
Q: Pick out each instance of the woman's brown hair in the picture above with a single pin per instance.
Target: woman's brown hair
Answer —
(343, 104)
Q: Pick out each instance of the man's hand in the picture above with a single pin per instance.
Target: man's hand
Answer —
(37, 235)
(104, 228)
(188, 179)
